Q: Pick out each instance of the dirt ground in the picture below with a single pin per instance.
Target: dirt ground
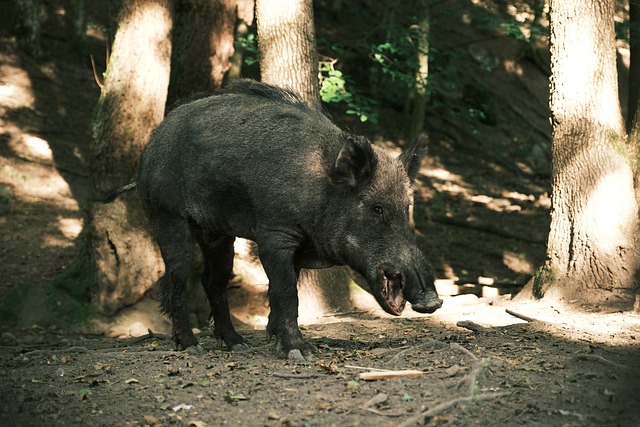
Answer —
(481, 217)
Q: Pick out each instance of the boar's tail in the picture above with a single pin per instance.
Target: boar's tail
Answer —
(113, 194)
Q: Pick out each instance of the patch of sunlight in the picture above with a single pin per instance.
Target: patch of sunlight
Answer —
(18, 94)
(70, 227)
(513, 67)
(34, 147)
(441, 174)
(517, 262)
(518, 196)
(38, 186)
(608, 211)
(495, 204)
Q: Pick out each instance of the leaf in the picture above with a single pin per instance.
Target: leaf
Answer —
(131, 381)
(84, 393)
(353, 386)
(233, 398)
(406, 397)
(203, 383)
(151, 420)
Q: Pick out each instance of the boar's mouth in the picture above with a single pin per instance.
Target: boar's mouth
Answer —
(391, 297)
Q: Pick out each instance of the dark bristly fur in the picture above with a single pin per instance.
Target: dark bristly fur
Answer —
(255, 161)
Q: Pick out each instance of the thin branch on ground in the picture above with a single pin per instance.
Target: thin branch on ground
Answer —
(395, 358)
(149, 336)
(365, 368)
(472, 326)
(444, 406)
(522, 316)
(596, 358)
(294, 376)
(464, 350)
(471, 395)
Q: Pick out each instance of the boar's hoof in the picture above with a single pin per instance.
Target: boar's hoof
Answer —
(297, 356)
(428, 306)
(242, 346)
(391, 292)
(196, 350)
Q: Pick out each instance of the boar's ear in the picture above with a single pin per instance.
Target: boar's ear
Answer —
(412, 156)
(355, 163)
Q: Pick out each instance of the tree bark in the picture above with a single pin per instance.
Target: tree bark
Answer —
(287, 44)
(202, 45)
(28, 26)
(130, 106)
(592, 246)
(634, 63)
(419, 101)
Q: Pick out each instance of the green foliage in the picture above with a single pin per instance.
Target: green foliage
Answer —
(249, 45)
(333, 88)
(397, 56)
(542, 279)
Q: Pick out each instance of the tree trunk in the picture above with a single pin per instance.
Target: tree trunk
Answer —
(28, 26)
(76, 22)
(634, 63)
(287, 44)
(419, 101)
(592, 250)
(202, 46)
(288, 58)
(633, 119)
(130, 106)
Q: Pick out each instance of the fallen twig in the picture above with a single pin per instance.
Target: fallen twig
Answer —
(522, 316)
(472, 326)
(464, 350)
(375, 400)
(364, 368)
(397, 356)
(150, 335)
(294, 376)
(385, 375)
(596, 358)
(475, 372)
(440, 408)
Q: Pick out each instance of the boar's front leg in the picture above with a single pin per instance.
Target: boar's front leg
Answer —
(217, 252)
(277, 259)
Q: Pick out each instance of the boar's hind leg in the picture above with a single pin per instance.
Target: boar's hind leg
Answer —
(217, 252)
(283, 300)
(176, 245)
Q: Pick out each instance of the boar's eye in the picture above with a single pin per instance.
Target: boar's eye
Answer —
(377, 209)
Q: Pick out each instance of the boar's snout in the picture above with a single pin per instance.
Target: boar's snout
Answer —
(429, 304)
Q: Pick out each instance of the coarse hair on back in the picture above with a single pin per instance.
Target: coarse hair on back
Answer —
(245, 87)
(263, 90)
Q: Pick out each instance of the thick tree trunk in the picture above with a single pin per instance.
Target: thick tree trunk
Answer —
(634, 65)
(203, 37)
(130, 106)
(287, 43)
(592, 247)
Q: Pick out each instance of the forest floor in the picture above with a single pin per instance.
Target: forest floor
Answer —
(482, 217)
